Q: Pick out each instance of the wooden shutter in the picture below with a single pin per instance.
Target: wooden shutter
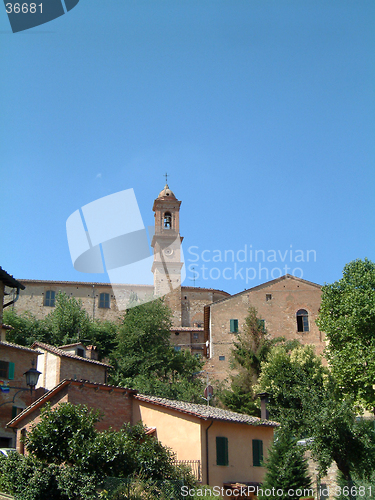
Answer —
(14, 412)
(233, 325)
(257, 452)
(221, 451)
(11, 371)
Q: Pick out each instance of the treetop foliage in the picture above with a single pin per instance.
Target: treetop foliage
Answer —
(347, 317)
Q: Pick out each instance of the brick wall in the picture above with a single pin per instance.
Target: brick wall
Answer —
(113, 403)
(277, 304)
(22, 360)
(81, 370)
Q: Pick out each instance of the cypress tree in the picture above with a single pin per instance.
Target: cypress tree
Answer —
(286, 470)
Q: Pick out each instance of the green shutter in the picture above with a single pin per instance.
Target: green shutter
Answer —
(14, 412)
(221, 451)
(257, 452)
(11, 371)
(233, 325)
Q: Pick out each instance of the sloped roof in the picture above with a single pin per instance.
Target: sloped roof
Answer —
(48, 395)
(206, 412)
(65, 354)
(20, 347)
(187, 329)
(8, 280)
(265, 285)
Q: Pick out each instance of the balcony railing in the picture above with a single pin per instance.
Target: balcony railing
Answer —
(195, 466)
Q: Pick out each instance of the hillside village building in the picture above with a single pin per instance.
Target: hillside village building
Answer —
(223, 448)
(205, 320)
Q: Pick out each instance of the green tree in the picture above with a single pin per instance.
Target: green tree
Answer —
(68, 322)
(60, 431)
(347, 316)
(26, 328)
(339, 435)
(295, 381)
(305, 398)
(69, 459)
(249, 351)
(287, 470)
(144, 359)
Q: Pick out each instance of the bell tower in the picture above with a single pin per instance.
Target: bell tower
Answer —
(166, 243)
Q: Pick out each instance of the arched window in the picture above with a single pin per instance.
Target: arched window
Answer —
(104, 302)
(167, 220)
(49, 298)
(302, 321)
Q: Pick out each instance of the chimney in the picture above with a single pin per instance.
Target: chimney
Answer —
(92, 352)
(264, 414)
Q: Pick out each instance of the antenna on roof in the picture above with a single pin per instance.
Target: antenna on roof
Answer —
(193, 278)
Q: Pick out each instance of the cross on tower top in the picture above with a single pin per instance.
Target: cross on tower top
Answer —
(166, 178)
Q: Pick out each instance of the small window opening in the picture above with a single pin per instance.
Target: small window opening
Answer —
(104, 301)
(167, 220)
(302, 321)
(233, 325)
(49, 299)
(268, 297)
(80, 352)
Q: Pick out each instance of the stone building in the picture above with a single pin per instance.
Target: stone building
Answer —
(72, 361)
(205, 320)
(287, 307)
(224, 449)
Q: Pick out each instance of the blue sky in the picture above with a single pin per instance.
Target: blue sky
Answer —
(262, 113)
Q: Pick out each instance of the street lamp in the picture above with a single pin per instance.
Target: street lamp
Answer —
(32, 376)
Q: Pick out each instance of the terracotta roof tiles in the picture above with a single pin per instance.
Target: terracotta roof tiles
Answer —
(66, 354)
(206, 412)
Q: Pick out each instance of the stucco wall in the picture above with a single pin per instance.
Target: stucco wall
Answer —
(180, 432)
(240, 453)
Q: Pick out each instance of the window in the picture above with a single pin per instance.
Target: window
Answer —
(195, 336)
(268, 297)
(221, 358)
(49, 299)
(104, 302)
(177, 348)
(7, 370)
(302, 321)
(16, 411)
(221, 451)
(167, 220)
(80, 352)
(233, 325)
(262, 324)
(257, 452)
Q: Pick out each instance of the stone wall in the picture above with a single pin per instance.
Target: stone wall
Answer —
(277, 303)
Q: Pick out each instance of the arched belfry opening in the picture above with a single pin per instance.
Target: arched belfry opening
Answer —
(167, 220)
